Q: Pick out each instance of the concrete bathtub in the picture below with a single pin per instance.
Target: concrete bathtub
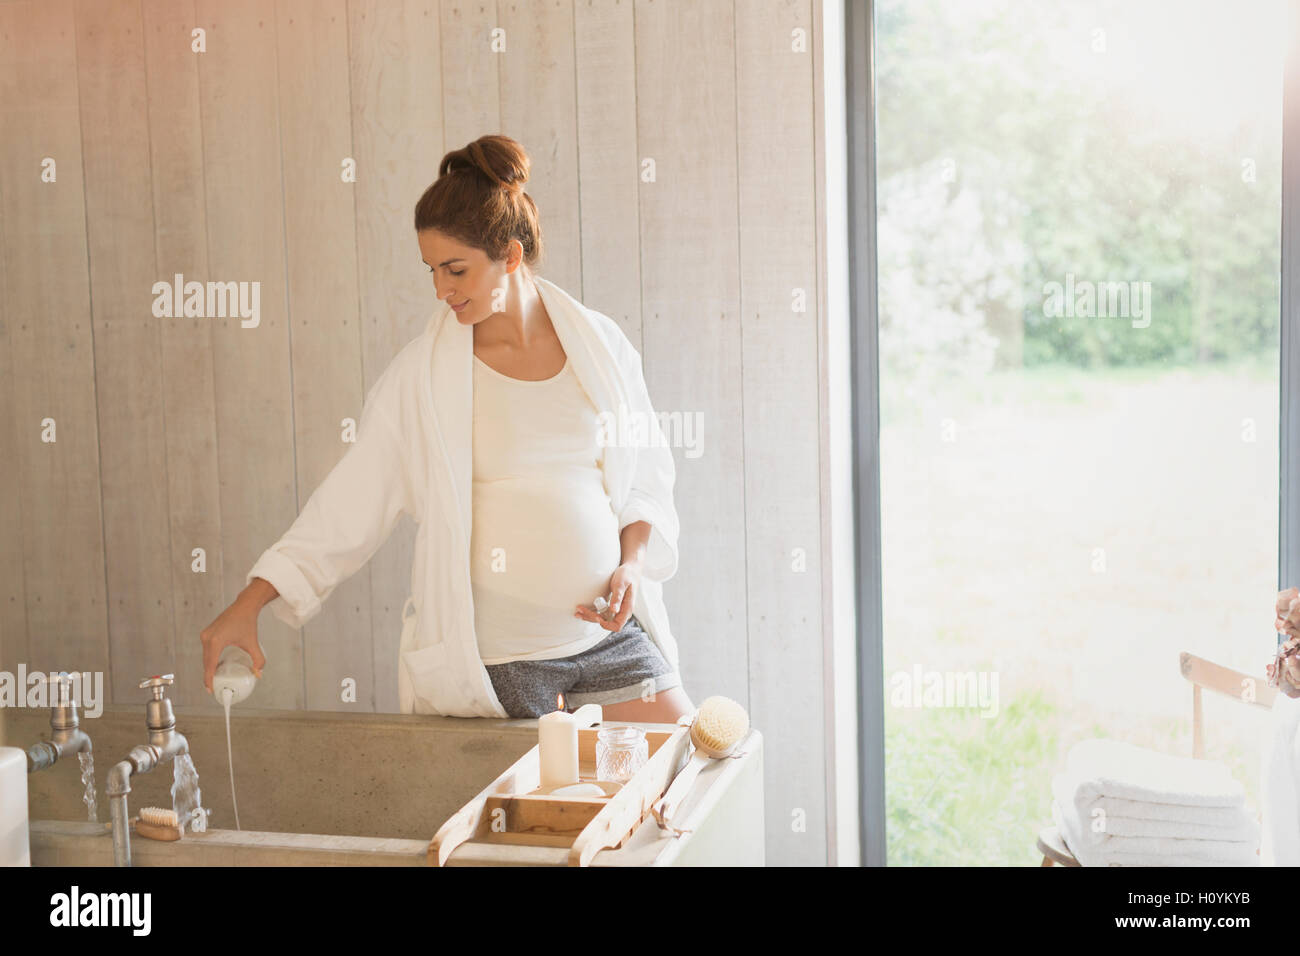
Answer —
(331, 789)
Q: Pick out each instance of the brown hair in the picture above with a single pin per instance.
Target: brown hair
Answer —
(479, 199)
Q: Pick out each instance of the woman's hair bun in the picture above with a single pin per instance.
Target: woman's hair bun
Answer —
(479, 199)
(498, 159)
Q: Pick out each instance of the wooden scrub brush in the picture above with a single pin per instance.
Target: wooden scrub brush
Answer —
(719, 726)
(158, 824)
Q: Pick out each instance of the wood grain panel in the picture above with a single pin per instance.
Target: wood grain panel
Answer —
(320, 231)
(690, 280)
(537, 109)
(189, 396)
(51, 340)
(395, 61)
(240, 108)
(13, 596)
(471, 83)
(128, 371)
(605, 55)
(778, 273)
(839, 678)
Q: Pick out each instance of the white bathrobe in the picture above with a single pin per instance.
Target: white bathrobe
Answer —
(414, 454)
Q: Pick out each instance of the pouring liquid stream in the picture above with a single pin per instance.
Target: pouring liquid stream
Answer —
(87, 761)
(228, 695)
(233, 681)
(185, 794)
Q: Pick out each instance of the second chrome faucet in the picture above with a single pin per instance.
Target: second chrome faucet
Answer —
(166, 743)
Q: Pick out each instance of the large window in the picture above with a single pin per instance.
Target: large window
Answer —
(1078, 279)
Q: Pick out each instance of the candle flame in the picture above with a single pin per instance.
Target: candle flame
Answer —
(559, 702)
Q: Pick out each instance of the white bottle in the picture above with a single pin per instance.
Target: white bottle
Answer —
(234, 676)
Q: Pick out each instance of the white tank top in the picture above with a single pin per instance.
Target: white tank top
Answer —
(545, 536)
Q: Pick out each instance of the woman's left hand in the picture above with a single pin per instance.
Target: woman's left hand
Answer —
(622, 590)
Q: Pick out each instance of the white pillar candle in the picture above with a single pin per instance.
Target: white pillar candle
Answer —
(557, 742)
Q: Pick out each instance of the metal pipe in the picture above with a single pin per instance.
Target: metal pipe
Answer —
(168, 746)
(118, 786)
(41, 756)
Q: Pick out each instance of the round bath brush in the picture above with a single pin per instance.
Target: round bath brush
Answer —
(157, 823)
(719, 725)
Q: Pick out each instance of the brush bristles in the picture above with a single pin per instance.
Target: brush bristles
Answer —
(158, 817)
(720, 723)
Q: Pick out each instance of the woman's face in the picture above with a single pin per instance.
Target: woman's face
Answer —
(465, 276)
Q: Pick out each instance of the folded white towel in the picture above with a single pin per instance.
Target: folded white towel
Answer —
(1136, 818)
(1219, 817)
(1112, 768)
(1247, 831)
(1103, 849)
(1181, 811)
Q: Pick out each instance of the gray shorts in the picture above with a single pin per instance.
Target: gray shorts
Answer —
(623, 666)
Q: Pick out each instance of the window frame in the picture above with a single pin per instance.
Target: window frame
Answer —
(859, 38)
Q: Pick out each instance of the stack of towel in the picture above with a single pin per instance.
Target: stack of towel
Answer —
(1121, 805)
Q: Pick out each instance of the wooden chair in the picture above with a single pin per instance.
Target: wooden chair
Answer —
(1203, 675)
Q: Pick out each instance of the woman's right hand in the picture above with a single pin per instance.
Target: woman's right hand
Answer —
(235, 625)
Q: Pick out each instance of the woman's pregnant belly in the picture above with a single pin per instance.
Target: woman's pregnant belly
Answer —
(540, 546)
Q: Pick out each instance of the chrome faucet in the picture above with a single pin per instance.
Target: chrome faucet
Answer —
(67, 737)
(165, 743)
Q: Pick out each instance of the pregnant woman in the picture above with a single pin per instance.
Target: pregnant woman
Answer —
(511, 399)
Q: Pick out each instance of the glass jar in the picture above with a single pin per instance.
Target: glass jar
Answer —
(620, 753)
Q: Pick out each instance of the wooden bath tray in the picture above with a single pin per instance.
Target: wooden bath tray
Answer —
(510, 811)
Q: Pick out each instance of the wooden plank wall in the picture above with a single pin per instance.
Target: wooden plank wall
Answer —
(51, 350)
(673, 163)
(778, 306)
(13, 603)
(397, 130)
(128, 364)
(320, 232)
(180, 220)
